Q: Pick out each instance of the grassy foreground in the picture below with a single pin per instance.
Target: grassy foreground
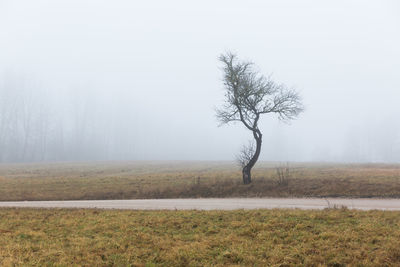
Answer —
(132, 180)
(40, 237)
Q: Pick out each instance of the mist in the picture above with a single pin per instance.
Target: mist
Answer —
(131, 80)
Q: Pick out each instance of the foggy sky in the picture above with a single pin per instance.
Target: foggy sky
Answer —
(140, 79)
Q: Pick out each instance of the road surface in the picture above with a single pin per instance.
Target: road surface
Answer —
(216, 204)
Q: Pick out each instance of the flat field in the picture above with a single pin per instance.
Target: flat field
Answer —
(334, 237)
(138, 180)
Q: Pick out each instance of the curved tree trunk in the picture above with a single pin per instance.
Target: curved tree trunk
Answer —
(246, 172)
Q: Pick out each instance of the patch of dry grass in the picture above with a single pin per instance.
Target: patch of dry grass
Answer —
(134, 180)
(40, 237)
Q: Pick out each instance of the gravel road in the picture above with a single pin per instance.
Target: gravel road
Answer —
(215, 204)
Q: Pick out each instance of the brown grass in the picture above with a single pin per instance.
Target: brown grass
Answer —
(135, 180)
(336, 237)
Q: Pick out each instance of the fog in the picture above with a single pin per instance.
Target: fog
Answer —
(140, 80)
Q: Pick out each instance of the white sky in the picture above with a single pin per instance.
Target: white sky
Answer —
(158, 61)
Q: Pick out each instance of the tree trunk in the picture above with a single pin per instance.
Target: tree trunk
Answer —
(246, 175)
(246, 172)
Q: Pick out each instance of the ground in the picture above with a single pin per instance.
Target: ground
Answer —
(90, 237)
(141, 179)
(334, 237)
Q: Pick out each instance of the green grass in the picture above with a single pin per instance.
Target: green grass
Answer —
(58, 237)
(133, 180)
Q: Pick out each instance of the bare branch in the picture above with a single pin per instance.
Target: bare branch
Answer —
(246, 154)
(286, 103)
(249, 94)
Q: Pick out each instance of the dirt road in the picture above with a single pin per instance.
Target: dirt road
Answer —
(216, 204)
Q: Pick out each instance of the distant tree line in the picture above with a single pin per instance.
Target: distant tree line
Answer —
(38, 124)
(47, 125)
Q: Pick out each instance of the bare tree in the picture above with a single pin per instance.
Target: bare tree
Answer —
(250, 95)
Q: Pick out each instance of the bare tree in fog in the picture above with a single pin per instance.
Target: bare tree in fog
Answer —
(250, 95)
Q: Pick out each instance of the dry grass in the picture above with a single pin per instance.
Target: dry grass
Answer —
(130, 180)
(30, 237)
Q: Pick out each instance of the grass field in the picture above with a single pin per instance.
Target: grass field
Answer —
(133, 180)
(335, 237)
